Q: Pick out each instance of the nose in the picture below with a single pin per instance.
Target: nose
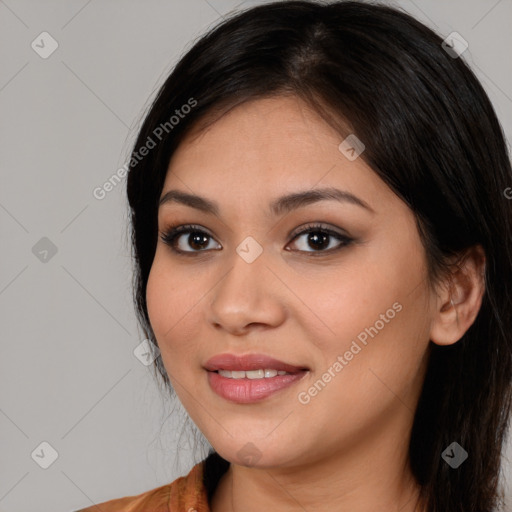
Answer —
(248, 296)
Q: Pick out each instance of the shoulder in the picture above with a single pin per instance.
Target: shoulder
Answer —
(185, 493)
(156, 500)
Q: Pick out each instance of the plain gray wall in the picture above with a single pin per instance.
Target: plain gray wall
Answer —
(68, 374)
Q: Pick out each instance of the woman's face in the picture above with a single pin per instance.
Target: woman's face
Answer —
(350, 314)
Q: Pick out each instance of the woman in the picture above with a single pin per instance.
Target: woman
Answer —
(323, 248)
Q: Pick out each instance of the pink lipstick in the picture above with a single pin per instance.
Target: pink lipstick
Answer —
(250, 378)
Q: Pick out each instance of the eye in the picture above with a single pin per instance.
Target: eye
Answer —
(321, 239)
(315, 236)
(197, 239)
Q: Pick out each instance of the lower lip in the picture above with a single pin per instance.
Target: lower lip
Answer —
(247, 391)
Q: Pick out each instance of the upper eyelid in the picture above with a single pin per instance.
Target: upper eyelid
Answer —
(316, 225)
(185, 228)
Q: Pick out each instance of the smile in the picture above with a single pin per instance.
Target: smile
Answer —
(251, 374)
(250, 378)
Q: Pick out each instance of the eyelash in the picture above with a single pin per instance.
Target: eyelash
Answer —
(170, 236)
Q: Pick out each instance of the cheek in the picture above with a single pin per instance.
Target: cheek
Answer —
(380, 371)
(377, 319)
(172, 302)
(165, 304)
(156, 298)
(359, 300)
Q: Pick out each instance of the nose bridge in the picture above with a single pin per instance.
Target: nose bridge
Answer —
(240, 285)
(243, 296)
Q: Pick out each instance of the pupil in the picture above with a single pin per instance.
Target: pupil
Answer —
(318, 240)
(197, 239)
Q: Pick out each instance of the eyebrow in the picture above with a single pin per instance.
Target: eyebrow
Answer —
(279, 206)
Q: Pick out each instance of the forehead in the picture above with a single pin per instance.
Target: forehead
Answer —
(268, 147)
(270, 127)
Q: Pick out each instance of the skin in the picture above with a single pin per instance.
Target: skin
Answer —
(346, 449)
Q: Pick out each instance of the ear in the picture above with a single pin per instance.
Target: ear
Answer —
(460, 298)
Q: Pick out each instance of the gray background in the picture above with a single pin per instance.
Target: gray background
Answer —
(68, 373)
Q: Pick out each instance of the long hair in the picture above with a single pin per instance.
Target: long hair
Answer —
(431, 135)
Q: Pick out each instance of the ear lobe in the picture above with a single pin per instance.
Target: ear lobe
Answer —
(459, 302)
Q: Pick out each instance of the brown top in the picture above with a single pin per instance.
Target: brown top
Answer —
(186, 494)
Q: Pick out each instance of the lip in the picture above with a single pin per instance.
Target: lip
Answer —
(246, 391)
(233, 362)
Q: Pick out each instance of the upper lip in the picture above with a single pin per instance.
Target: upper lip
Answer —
(232, 362)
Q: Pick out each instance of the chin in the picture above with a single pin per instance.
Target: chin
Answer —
(259, 453)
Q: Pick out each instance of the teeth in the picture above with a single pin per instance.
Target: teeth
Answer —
(255, 374)
(252, 374)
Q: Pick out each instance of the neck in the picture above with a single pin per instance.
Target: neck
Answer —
(372, 474)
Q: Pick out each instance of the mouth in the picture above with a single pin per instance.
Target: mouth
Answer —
(252, 365)
(250, 378)
(251, 374)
